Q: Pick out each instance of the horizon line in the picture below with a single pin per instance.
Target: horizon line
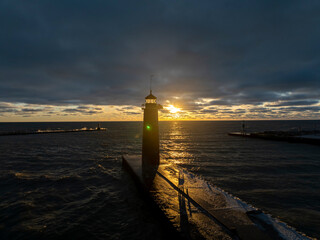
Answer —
(173, 120)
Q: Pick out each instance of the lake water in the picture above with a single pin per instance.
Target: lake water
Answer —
(71, 184)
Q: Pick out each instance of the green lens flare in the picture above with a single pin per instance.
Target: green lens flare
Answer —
(148, 127)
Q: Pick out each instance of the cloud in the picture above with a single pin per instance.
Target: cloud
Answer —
(132, 113)
(302, 109)
(102, 52)
(293, 103)
(208, 111)
(30, 110)
(83, 110)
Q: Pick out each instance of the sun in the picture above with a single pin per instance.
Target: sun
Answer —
(173, 109)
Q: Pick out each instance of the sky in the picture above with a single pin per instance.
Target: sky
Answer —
(76, 60)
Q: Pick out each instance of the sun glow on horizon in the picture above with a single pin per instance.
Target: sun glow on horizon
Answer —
(195, 110)
(173, 109)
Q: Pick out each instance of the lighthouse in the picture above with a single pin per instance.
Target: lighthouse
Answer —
(150, 139)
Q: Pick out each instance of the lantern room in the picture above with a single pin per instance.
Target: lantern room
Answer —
(151, 98)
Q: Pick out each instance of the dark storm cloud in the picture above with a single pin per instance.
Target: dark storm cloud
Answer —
(260, 110)
(128, 108)
(102, 52)
(83, 107)
(83, 110)
(30, 110)
(302, 109)
(25, 111)
(132, 113)
(7, 110)
(293, 103)
(165, 111)
(208, 111)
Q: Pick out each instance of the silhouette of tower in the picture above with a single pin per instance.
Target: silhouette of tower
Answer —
(150, 140)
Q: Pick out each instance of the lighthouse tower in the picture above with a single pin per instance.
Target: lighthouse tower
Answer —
(150, 140)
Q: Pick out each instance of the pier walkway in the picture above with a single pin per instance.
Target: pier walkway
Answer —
(199, 210)
(281, 136)
(51, 131)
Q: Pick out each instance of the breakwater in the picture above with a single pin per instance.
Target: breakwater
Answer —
(47, 131)
(198, 210)
(310, 137)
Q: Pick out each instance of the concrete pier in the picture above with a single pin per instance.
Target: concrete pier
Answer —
(199, 210)
(51, 131)
(281, 136)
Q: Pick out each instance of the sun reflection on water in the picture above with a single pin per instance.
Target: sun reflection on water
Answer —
(175, 144)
